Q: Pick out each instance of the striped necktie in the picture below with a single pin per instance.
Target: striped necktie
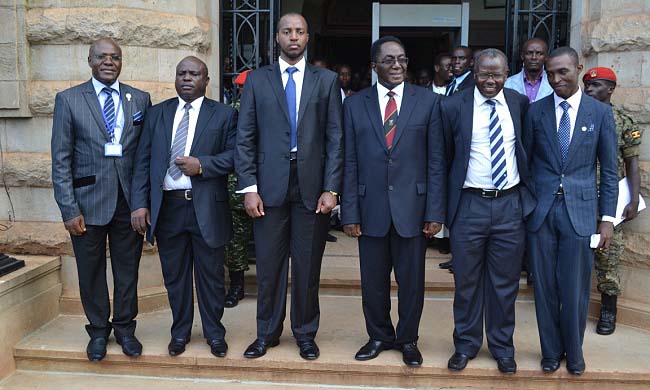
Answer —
(180, 140)
(290, 94)
(390, 119)
(497, 151)
(564, 131)
(451, 88)
(109, 112)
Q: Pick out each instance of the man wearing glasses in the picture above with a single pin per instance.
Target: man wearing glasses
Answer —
(95, 133)
(393, 195)
(487, 200)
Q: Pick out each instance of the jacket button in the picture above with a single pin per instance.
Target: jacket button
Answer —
(390, 161)
(390, 188)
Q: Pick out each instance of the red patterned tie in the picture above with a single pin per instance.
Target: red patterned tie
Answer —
(390, 119)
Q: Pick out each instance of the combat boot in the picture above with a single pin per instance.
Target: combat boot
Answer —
(607, 321)
(236, 290)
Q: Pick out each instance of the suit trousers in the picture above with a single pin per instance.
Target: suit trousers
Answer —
(289, 229)
(90, 251)
(182, 251)
(378, 256)
(487, 242)
(561, 261)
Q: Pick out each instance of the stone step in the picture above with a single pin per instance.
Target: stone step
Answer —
(619, 361)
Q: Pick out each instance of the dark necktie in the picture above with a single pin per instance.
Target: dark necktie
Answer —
(180, 140)
(290, 93)
(564, 131)
(497, 151)
(109, 112)
(451, 88)
(390, 119)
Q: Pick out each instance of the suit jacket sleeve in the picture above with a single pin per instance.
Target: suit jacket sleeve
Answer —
(436, 167)
(141, 184)
(62, 145)
(448, 137)
(607, 156)
(222, 164)
(350, 198)
(333, 175)
(246, 139)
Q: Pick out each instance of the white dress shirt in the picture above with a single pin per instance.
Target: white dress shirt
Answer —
(119, 123)
(382, 94)
(439, 90)
(183, 182)
(574, 102)
(479, 170)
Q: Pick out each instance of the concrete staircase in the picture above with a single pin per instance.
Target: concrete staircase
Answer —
(54, 356)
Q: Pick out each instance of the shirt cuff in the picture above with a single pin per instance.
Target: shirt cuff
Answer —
(248, 189)
(607, 218)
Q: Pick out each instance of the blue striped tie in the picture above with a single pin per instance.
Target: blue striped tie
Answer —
(109, 112)
(178, 146)
(564, 130)
(290, 93)
(497, 151)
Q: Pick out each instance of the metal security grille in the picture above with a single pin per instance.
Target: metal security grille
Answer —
(549, 20)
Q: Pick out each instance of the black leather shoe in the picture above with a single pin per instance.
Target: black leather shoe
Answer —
(218, 347)
(96, 349)
(130, 345)
(446, 264)
(458, 361)
(308, 350)
(576, 369)
(411, 355)
(372, 349)
(234, 295)
(258, 348)
(331, 238)
(550, 364)
(507, 365)
(177, 346)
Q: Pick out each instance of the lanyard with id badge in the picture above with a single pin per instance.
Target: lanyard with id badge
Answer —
(112, 148)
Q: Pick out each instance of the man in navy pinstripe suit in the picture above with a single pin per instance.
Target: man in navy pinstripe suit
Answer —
(94, 137)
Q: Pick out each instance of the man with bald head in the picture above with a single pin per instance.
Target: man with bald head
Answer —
(532, 81)
(180, 198)
(94, 135)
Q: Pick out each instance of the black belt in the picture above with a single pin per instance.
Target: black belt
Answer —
(178, 194)
(491, 193)
(560, 191)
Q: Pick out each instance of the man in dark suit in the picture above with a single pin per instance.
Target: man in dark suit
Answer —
(571, 132)
(462, 62)
(393, 195)
(289, 162)
(180, 198)
(94, 136)
(488, 199)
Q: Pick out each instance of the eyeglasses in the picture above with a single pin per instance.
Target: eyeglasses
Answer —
(393, 61)
(494, 76)
(102, 57)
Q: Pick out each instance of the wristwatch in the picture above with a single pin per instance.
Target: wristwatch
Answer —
(333, 193)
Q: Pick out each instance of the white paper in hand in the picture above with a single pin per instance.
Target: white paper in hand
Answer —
(624, 199)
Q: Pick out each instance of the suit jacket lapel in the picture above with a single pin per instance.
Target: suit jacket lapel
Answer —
(374, 114)
(205, 113)
(467, 123)
(127, 109)
(549, 124)
(275, 79)
(308, 87)
(406, 108)
(93, 105)
(583, 119)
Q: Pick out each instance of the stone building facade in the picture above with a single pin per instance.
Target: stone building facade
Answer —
(43, 50)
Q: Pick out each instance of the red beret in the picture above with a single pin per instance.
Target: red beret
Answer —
(599, 73)
(241, 79)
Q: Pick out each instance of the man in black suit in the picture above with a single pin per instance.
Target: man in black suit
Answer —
(95, 132)
(488, 199)
(393, 195)
(462, 62)
(289, 162)
(180, 197)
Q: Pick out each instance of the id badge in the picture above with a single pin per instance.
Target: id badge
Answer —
(112, 150)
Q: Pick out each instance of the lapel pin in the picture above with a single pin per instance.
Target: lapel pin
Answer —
(128, 98)
(584, 128)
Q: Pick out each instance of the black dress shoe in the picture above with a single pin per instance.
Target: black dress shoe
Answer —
(576, 369)
(258, 348)
(234, 295)
(550, 364)
(411, 355)
(218, 347)
(308, 350)
(372, 349)
(446, 264)
(507, 365)
(331, 238)
(130, 345)
(96, 349)
(177, 346)
(458, 361)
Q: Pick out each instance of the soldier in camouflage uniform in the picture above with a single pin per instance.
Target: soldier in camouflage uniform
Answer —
(237, 250)
(600, 84)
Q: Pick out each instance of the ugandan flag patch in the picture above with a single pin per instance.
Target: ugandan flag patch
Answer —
(635, 134)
